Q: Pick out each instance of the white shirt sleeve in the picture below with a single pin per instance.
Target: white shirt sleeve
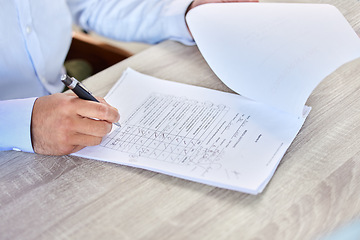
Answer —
(150, 21)
(15, 120)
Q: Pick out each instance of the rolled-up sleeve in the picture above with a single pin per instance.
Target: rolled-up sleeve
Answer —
(149, 21)
(15, 124)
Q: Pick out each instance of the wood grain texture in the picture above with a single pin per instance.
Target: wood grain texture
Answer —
(315, 189)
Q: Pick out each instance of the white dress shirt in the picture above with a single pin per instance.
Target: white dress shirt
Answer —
(36, 35)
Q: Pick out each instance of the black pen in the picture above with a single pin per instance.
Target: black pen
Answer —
(79, 90)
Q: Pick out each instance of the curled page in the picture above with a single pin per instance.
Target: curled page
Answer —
(274, 53)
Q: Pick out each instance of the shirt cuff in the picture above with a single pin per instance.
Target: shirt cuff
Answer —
(15, 124)
(176, 25)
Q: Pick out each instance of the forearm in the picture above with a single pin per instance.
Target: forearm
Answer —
(148, 21)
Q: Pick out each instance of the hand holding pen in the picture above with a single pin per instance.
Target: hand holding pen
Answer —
(63, 123)
(79, 90)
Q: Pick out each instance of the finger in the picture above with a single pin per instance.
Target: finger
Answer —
(70, 93)
(97, 110)
(102, 100)
(77, 148)
(85, 140)
(87, 126)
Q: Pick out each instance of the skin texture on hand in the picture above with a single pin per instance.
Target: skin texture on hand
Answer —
(62, 123)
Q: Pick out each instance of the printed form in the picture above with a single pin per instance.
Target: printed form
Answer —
(224, 139)
(195, 133)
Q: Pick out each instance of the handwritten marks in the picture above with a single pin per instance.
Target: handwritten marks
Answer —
(180, 131)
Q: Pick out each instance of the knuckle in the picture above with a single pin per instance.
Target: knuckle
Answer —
(66, 149)
(66, 122)
(95, 141)
(64, 140)
(98, 141)
(103, 111)
(104, 128)
(107, 128)
(68, 102)
(65, 125)
(101, 99)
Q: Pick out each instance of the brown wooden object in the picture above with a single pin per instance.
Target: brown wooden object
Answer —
(98, 54)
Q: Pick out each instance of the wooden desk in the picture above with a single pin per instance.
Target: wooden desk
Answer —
(315, 189)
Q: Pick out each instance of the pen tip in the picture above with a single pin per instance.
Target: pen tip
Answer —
(117, 124)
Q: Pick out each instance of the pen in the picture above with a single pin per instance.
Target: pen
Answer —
(79, 90)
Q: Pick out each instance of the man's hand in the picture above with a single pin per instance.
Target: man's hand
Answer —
(62, 123)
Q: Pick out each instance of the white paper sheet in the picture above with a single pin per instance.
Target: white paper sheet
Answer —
(195, 133)
(275, 53)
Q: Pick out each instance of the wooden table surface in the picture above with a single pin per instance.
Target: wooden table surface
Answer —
(315, 189)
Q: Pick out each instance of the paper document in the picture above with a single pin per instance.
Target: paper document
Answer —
(195, 133)
(274, 55)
